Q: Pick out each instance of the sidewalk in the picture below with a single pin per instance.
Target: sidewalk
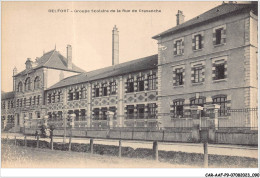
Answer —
(230, 150)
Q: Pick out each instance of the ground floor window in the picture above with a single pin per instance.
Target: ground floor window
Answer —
(140, 111)
(222, 101)
(178, 108)
(130, 112)
(151, 110)
(96, 114)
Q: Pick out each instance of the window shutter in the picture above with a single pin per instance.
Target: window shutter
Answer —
(182, 45)
(214, 37)
(223, 36)
(193, 43)
(202, 41)
(175, 48)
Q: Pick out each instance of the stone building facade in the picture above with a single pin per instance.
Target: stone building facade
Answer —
(210, 59)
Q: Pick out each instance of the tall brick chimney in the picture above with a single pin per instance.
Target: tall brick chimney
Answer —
(115, 46)
(69, 56)
(179, 17)
(14, 73)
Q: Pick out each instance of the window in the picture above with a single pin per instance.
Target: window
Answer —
(140, 83)
(30, 101)
(112, 88)
(28, 84)
(38, 100)
(104, 113)
(24, 102)
(178, 108)
(83, 93)
(21, 102)
(3, 105)
(96, 114)
(58, 96)
(130, 111)
(220, 71)
(130, 85)
(82, 114)
(179, 77)
(104, 89)
(49, 98)
(151, 111)
(198, 77)
(96, 91)
(17, 102)
(222, 101)
(219, 35)
(59, 115)
(34, 100)
(77, 95)
(38, 115)
(151, 82)
(20, 87)
(140, 111)
(198, 41)
(37, 83)
(12, 104)
(76, 112)
(8, 105)
(70, 95)
(178, 47)
(219, 68)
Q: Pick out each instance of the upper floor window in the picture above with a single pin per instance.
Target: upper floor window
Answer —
(130, 85)
(37, 82)
(198, 72)
(8, 106)
(179, 46)
(219, 68)
(3, 105)
(17, 102)
(140, 83)
(130, 111)
(179, 77)
(70, 95)
(24, 102)
(96, 89)
(151, 110)
(20, 87)
(38, 100)
(198, 40)
(219, 35)
(77, 95)
(30, 101)
(104, 89)
(112, 88)
(28, 84)
(34, 100)
(152, 82)
(12, 104)
(49, 98)
(58, 96)
(83, 93)
(177, 108)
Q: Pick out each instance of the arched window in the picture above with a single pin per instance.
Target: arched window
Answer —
(37, 82)
(20, 87)
(28, 84)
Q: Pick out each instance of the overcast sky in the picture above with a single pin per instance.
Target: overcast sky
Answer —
(28, 29)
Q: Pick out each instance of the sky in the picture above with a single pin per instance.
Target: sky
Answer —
(29, 29)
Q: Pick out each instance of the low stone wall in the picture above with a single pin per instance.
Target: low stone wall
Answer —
(192, 135)
(246, 137)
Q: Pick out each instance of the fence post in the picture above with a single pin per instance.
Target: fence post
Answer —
(25, 141)
(205, 146)
(14, 140)
(120, 149)
(51, 143)
(70, 143)
(91, 146)
(155, 150)
(37, 141)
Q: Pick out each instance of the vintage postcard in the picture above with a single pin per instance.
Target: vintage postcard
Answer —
(139, 84)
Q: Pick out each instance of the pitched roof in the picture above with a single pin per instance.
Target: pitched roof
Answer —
(215, 13)
(7, 95)
(145, 63)
(52, 59)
